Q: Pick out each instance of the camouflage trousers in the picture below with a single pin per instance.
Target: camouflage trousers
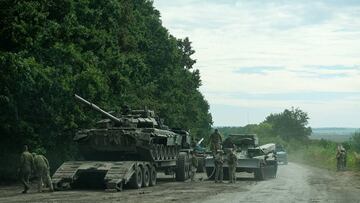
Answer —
(232, 174)
(340, 164)
(215, 146)
(43, 177)
(192, 173)
(24, 177)
(219, 173)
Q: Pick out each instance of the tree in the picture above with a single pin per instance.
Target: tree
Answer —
(290, 124)
(110, 52)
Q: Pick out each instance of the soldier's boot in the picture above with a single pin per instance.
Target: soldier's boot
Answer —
(25, 190)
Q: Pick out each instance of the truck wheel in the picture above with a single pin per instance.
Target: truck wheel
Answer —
(153, 175)
(226, 174)
(259, 173)
(136, 178)
(210, 172)
(201, 165)
(146, 176)
(181, 172)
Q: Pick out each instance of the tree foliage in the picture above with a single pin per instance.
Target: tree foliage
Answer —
(111, 52)
(290, 124)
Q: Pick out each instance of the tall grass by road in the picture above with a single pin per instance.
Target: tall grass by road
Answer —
(321, 153)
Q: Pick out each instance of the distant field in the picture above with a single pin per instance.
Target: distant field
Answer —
(333, 134)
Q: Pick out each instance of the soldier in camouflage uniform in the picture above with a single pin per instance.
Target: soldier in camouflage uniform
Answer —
(232, 161)
(42, 171)
(215, 141)
(340, 158)
(193, 165)
(26, 164)
(219, 166)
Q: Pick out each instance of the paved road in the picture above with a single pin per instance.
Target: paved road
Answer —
(295, 183)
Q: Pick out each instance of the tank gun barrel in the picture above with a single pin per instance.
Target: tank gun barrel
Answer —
(98, 109)
(200, 141)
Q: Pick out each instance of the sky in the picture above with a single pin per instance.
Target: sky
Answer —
(258, 57)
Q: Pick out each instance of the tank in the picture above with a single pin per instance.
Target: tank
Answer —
(131, 135)
(126, 149)
(251, 158)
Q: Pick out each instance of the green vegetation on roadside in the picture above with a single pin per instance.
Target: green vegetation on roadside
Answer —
(110, 52)
(290, 129)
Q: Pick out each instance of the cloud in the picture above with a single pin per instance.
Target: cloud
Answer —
(335, 67)
(262, 70)
(272, 48)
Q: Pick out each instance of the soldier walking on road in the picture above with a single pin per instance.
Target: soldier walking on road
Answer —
(215, 141)
(193, 166)
(232, 162)
(219, 166)
(42, 171)
(26, 165)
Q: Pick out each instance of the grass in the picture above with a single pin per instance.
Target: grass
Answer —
(321, 154)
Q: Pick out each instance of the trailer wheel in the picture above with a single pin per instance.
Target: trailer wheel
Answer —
(146, 176)
(181, 172)
(259, 173)
(136, 178)
(153, 175)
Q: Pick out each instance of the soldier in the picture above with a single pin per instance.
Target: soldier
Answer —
(219, 166)
(215, 141)
(232, 162)
(193, 165)
(26, 164)
(42, 171)
(344, 158)
(339, 158)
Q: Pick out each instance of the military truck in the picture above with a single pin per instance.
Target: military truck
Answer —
(252, 158)
(126, 149)
(281, 154)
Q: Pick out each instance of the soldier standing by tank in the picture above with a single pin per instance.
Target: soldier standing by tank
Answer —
(219, 166)
(42, 171)
(193, 165)
(215, 141)
(232, 162)
(26, 165)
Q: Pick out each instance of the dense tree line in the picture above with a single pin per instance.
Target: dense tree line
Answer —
(112, 52)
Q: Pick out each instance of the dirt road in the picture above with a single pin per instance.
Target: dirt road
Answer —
(295, 183)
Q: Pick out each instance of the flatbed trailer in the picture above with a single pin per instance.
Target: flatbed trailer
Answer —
(114, 175)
